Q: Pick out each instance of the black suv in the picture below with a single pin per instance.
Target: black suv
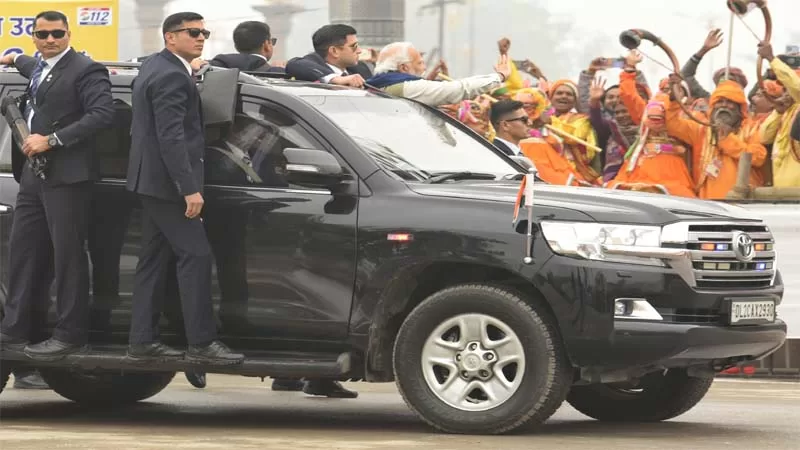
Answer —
(363, 237)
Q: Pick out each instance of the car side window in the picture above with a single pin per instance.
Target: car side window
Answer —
(250, 151)
(113, 144)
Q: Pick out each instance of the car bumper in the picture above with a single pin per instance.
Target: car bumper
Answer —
(693, 329)
(643, 344)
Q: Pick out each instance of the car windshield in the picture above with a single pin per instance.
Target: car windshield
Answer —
(409, 140)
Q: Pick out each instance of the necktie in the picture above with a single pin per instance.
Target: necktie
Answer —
(35, 79)
(38, 162)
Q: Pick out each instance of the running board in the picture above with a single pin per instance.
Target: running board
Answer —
(274, 364)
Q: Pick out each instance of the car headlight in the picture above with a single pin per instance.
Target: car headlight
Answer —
(634, 244)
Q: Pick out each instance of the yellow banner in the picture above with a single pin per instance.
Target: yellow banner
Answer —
(93, 23)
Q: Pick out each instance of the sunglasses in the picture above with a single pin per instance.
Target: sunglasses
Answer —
(523, 119)
(44, 34)
(273, 41)
(194, 32)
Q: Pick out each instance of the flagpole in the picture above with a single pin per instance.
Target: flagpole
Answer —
(531, 175)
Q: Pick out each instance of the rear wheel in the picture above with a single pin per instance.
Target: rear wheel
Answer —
(655, 397)
(106, 388)
(479, 359)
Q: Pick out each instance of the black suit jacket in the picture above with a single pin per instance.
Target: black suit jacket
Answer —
(244, 62)
(503, 147)
(75, 102)
(167, 141)
(313, 68)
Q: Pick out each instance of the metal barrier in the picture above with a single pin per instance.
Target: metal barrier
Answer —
(783, 364)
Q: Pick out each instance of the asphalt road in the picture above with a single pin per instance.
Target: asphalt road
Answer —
(242, 413)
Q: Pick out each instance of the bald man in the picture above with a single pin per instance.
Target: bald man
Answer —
(399, 70)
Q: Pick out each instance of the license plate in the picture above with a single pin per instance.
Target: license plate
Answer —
(749, 312)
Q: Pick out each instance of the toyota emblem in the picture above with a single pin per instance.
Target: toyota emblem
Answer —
(743, 246)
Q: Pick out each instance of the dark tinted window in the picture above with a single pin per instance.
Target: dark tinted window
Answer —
(250, 152)
(5, 135)
(114, 143)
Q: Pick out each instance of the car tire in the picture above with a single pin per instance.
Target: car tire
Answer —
(106, 388)
(536, 384)
(659, 396)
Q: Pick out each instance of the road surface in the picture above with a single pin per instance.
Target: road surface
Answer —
(242, 413)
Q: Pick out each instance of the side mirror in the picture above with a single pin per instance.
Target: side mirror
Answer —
(312, 167)
(523, 161)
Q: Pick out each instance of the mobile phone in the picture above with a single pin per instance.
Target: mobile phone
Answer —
(617, 63)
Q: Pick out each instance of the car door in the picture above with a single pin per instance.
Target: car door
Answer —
(285, 254)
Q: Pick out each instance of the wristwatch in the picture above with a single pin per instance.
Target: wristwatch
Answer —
(52, 140)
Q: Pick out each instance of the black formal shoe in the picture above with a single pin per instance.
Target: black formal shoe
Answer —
(12, 344)
(29, 379)
(215, 353)
(53, 350)
(196, 379)
(154, 351)
(328, 388)
(284, 384)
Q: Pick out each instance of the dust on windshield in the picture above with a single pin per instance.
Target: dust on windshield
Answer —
(409, 140)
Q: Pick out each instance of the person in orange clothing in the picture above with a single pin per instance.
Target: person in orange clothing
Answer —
(544, 149)
(716, 150)
(655, 162)
(564, 98)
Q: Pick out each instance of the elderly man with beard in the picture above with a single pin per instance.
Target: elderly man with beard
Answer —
(776, 129)
(716, 150)
(399, 72)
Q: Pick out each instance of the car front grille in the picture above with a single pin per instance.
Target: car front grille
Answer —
(689, 315)
(714, 261)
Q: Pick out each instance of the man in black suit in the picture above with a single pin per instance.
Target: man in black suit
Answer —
(166, 171)
(511, 125)
(68, 101)
(334, 60)
(255, 44)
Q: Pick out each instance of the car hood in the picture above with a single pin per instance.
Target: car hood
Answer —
(603, 205)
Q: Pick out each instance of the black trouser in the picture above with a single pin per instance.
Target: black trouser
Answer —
(167, 232)
(48, 236)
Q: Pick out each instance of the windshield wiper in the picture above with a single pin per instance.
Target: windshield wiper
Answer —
(459, 176)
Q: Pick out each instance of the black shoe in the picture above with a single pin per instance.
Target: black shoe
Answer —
(29, 379)
(283, 384)
(12, 344)
(197, 379)
(215, 353)
(153, 352)
(328, 388)
(54, 350)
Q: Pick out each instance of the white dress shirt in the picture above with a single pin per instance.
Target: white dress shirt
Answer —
(337, 72)
(185, 64)
(514, 147)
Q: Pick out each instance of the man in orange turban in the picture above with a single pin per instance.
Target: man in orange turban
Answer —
(716, 150)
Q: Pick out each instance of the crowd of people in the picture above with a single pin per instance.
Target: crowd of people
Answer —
(685, 141)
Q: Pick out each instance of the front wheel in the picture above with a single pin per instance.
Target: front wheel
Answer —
(106, 387)
(480, 359)
(655, 397)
